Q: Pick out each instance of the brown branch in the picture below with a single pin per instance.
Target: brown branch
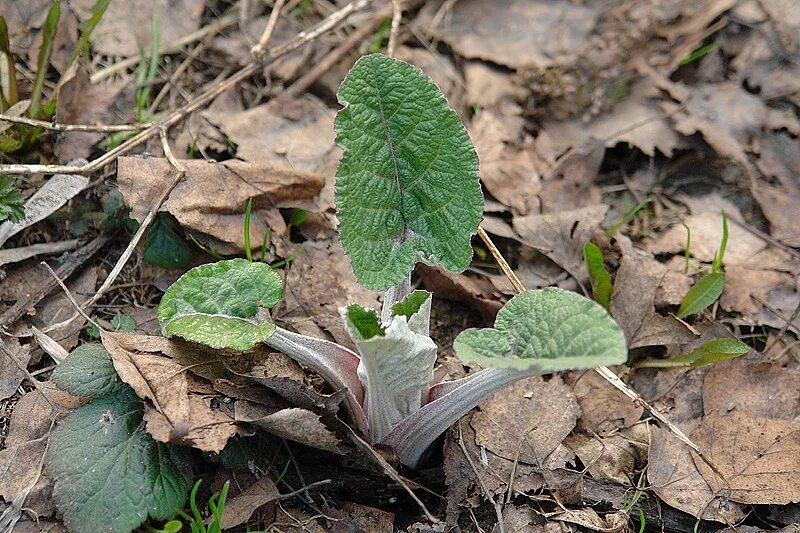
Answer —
(102, 128)
(215, 89)
(258, 50)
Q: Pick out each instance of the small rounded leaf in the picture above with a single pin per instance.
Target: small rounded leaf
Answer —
(222, 304)
(548, 330)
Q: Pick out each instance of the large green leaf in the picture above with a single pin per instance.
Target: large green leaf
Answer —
(407, 185)
(88, 371)
(547, 330)
(222, 304)
(109, 474)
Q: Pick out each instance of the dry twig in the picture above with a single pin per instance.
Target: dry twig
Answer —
(258, 50)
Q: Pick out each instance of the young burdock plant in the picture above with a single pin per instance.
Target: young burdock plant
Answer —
(407, 191)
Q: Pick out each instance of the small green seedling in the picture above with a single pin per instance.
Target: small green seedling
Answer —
(706, 291)
(216, 504)
(407, 191)
(710, 352)
(599, 278)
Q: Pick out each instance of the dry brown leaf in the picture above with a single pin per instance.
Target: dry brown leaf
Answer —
(528, 420)
(758, 457)
(212, 198)
(25, 444)
(674, 478)
(297, 136)
(478, 293)
(615, 457)
(240, 507)
(507, 157)
(706, 230)
(570, 184)
(296, 424)
(487, 85)
(633, 307)
(561, 236)
(616, 522)
(237, 44)
(57, 308)
(754, 386)
(126, 27)
(172, 412)
(534, 270)
(360, 518)
(517, 33)
(726, 115)
(604, 409)
(81, 102)
(318, 282)
(639, 121)
(14, 359)
(779, 160)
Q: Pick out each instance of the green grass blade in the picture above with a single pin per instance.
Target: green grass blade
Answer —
(702, 294)
(708, 353)
(87, 27)
(248, 212)
(43, 62)
(716, 266)
(599, 277)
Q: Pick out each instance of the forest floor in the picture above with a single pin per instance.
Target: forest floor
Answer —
(656, 129)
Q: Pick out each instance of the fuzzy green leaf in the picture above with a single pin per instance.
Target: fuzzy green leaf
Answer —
(88, 371)
(598, 275)
(548, 330)
(109, 474)
(222, 304)
(407, 185)
(702, 294)
(710, 352)
(11, 201)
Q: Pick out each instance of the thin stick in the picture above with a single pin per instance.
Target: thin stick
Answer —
(602, 370)
(102, 128)
(308, 79)
(207, 96)
(180, 172)
(397, 15)
(501, 261)
(169, 48)
(70, 297)
(175, 75)
(258, 50)
(498, 508)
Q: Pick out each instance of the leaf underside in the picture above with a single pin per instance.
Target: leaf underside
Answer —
(549, 330)
(221, 304)
(407, 185)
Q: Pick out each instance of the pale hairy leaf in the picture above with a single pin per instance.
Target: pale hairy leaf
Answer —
(407, 185)
(546, 330)
(396, 367)
(222, 304)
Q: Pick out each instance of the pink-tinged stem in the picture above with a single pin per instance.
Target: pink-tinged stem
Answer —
(336, 364)
(414, 435)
